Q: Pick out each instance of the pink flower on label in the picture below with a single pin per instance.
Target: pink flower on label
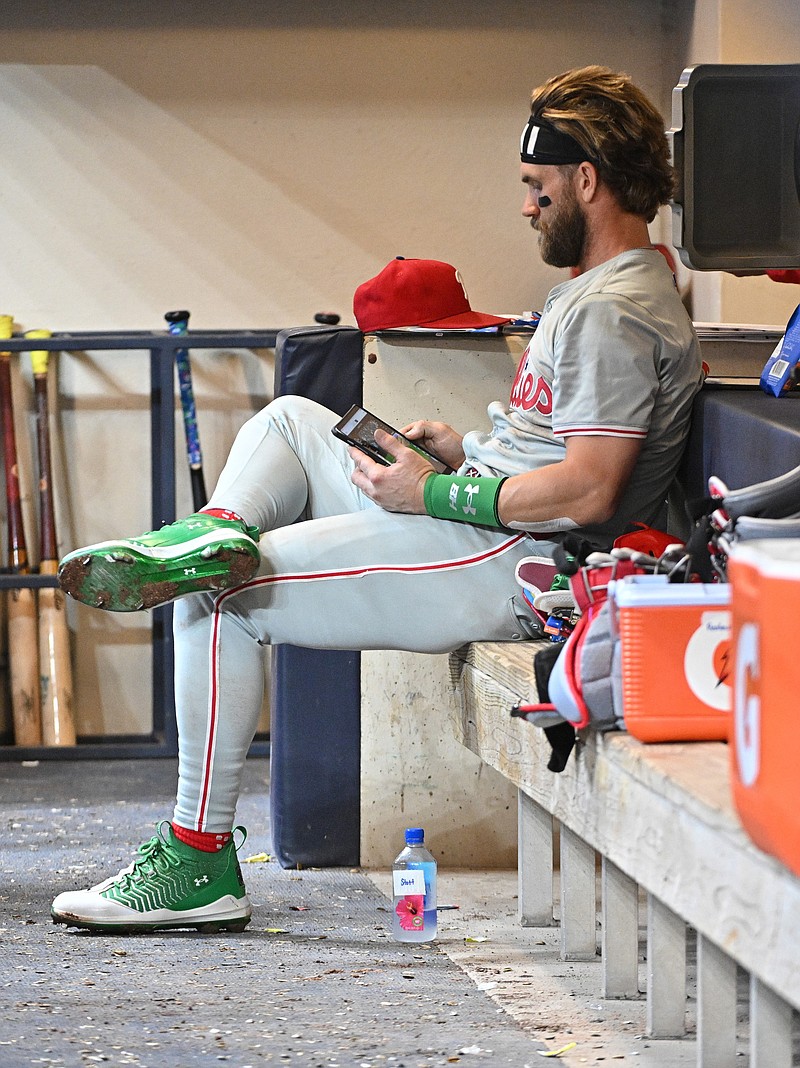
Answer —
(409, 912)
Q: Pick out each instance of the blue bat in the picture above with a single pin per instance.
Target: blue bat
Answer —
(178, 322)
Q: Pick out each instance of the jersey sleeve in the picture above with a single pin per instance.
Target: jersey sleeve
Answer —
(605, 370)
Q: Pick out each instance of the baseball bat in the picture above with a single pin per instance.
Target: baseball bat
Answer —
(179, 324)
(23, 639)
(6, 722)
(55, 665)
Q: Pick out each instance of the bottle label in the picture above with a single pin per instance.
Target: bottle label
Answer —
(410, 912)
(415, 898)
(410, 881)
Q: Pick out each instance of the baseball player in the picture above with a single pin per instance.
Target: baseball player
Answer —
(589, 440)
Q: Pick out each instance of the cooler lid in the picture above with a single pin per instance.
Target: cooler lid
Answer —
(635, 591)
(735, 144)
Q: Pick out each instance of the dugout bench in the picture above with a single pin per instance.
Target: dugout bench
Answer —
(647, 834)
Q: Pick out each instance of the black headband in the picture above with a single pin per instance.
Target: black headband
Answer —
(541, 143)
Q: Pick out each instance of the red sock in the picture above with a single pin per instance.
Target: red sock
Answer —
(223, 513)
(208, 842)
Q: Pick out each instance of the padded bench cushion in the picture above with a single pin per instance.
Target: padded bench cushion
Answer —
(741, 436)
(315, 729)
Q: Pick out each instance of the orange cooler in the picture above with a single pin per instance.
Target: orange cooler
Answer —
(674, 650)
(765, 739)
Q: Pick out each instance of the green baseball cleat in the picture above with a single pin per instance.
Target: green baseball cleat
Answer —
(199, 554)
(169, 885)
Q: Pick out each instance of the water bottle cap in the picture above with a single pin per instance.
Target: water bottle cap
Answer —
(415, 836)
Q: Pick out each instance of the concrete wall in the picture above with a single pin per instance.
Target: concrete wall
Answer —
(254, 163)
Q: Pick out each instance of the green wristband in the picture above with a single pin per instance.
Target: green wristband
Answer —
(468, 500)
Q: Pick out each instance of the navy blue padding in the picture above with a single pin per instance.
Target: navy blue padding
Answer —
(315, 717)
(323, 363)
(315, 757)
(741, 436)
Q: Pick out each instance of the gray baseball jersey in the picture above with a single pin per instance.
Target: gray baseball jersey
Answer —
(614, 355)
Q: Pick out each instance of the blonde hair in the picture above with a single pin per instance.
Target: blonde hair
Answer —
(620, 130)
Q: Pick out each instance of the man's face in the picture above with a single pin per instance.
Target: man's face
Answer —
(561, 224)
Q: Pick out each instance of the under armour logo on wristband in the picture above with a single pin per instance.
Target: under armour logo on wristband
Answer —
(441, 493)
(471, 491)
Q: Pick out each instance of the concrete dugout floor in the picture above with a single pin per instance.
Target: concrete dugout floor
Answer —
(316, 978)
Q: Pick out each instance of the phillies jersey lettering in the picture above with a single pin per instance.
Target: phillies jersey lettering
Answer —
(531, 391)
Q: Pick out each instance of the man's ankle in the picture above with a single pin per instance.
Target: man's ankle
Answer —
(224, 513)
(206, 841)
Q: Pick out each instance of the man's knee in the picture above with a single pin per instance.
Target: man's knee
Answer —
(297, 409)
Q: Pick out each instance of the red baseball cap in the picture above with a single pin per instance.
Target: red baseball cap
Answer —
(417, 293)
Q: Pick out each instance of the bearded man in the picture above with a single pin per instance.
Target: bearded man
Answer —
(400, 556)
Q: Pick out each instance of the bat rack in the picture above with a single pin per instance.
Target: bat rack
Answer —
(161, 346)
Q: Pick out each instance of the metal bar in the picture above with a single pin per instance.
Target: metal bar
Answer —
(162, 436)
(129, 749)
(146, 339)
(9, 581)
(112, 750)
(162, 466)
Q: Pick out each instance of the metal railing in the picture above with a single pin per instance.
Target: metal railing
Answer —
(161, 346)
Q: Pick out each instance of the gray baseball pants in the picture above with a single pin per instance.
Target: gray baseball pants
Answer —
(350, 576)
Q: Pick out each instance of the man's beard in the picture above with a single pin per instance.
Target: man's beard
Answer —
(562, 243)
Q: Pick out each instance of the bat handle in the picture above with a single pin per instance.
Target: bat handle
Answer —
(39, 357)
(47, 521)
(178, 321)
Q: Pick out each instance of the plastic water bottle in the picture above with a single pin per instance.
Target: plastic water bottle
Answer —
(414, 887)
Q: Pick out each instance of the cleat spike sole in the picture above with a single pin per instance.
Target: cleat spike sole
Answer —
(140, 574)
